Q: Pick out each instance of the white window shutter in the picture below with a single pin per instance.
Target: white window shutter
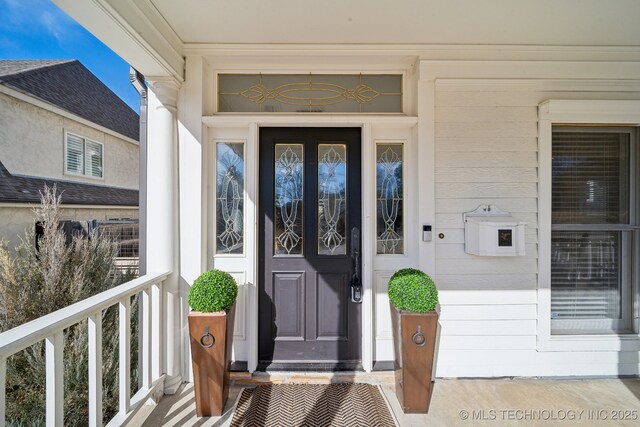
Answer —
(93, 156)
(75, 154)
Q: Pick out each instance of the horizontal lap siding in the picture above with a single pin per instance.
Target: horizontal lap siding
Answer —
(487, 153)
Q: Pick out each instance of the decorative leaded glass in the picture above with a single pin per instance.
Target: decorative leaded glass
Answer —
(389, 211)
(332, 199)
(229, 197)
(310, 93)
(289, 169)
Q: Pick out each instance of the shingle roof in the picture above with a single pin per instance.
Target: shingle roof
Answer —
(67, 84)
(22, 189)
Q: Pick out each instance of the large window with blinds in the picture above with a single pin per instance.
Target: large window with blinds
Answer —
(82, 156)
(594, 226)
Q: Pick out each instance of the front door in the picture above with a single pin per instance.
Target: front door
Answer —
(310, 215)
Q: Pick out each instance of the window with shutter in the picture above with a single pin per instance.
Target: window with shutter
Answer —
(593, 223)
(93, 156)
(83, 156)
(75, 154)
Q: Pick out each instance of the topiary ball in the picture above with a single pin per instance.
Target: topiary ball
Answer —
(412, 290)
(214, 290)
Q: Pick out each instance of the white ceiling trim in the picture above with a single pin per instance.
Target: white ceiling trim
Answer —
(423, 51)
(142, 44)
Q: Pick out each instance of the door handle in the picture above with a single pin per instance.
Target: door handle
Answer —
(356, 285)
(355, 242)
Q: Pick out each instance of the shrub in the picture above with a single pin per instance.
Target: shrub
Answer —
(37, 282)
(214, 290)
(412, 290)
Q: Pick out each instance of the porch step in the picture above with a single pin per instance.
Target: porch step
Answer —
(245, 379)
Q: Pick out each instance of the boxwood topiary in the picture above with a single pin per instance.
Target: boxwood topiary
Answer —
(214, 290)
(412, 290)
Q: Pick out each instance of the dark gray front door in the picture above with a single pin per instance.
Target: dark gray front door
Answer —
(310, 206)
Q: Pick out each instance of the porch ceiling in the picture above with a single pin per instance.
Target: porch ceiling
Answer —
(569, 22)
(155, 35)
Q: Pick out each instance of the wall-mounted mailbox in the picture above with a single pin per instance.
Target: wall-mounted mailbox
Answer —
(490, 231)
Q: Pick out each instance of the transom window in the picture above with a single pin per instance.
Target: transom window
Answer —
(83, 156)
(594, 218)
(310, 93)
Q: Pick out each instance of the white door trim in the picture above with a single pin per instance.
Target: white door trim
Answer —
(251, 125)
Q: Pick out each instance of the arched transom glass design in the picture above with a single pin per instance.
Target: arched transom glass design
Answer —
(389, 211)
(288, 222)
(229, 197)
(332, 199)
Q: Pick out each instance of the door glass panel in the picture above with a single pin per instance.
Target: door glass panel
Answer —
(288, 222)
(229, 197)
(389, 210)
(332, 199)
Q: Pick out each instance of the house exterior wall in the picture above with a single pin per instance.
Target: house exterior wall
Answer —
(32, 144)
(487, 152)
(16, 219)
(476, 134)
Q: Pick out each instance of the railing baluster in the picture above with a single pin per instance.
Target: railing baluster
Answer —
(95, 369)
(156, 330)
(125, 354)
(55, 379)
(50, 328)
(145, 332)
(3, 385)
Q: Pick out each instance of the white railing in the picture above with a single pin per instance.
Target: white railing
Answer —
(50, 328)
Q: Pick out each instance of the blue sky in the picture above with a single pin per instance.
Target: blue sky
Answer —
(38, 29)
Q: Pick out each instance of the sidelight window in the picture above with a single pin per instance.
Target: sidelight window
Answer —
(389, 198)
(229, 197)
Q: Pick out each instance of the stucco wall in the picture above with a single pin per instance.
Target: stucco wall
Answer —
(15, 220)
(32, 143)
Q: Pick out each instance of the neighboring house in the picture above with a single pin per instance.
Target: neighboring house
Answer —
(275, 129)
(60, 125)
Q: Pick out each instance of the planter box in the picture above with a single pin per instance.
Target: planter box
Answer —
(414, 338)
(211, 359)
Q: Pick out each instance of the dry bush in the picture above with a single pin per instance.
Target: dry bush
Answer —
(37, 282)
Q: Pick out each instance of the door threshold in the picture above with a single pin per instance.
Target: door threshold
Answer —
(267, 366)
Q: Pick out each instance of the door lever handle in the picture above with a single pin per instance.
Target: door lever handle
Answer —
(355, 242)
(356, 285)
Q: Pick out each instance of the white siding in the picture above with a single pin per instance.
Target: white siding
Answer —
(486, 152)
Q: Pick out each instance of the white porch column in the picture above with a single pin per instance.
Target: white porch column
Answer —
(192, 218)
(162, 216)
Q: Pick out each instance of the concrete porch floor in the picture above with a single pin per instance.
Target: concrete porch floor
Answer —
(455, 402)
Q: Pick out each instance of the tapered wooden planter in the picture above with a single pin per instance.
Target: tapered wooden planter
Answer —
(211, 342)
(414, 339)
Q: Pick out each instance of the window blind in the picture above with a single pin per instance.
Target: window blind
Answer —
(585, 275)
(590, 190)
(590, 178)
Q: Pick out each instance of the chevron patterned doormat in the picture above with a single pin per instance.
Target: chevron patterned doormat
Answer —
(311, 405)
